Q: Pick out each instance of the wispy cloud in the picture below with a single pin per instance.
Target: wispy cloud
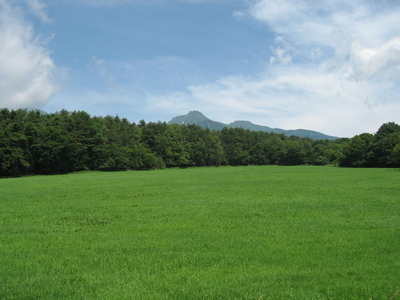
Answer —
(382, 62)
(27, 70)
(163, 73)
(109, 3)
(99, 67)
(38, 9)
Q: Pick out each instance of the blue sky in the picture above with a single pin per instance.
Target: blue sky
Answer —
(331, 66)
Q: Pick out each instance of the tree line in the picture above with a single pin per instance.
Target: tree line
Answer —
(32, 142)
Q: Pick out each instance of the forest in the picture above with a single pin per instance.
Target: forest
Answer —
(33, 142)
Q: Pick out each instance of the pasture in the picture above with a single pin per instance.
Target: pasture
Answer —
(256, 232)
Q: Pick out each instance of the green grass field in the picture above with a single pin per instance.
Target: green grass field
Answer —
(202, 233)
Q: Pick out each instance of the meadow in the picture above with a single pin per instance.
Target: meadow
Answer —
(256, 232)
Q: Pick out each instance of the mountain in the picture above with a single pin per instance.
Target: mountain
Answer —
(197, 118)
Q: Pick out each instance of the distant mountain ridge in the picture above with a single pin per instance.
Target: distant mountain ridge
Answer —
(197, 118)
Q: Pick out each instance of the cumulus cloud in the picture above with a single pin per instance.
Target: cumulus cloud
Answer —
(26, 73)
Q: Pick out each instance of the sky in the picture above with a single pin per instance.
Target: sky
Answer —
(332, 66)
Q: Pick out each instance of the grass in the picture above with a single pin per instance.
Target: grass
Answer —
(202, 233)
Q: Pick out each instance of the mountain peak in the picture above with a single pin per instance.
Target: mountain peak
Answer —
(192, 117)
(196, 115)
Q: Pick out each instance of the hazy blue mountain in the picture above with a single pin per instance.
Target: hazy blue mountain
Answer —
(197, 118)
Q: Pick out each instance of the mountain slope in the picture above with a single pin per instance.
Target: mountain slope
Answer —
(197, 118)
(193, 117)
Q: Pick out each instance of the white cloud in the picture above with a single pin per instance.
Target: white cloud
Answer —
(239, 14)
(26, 73)
(382, 62)
(280, 55)
(38, 9)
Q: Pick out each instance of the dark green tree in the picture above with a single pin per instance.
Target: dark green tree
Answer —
(359, 151)
(387, 139)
